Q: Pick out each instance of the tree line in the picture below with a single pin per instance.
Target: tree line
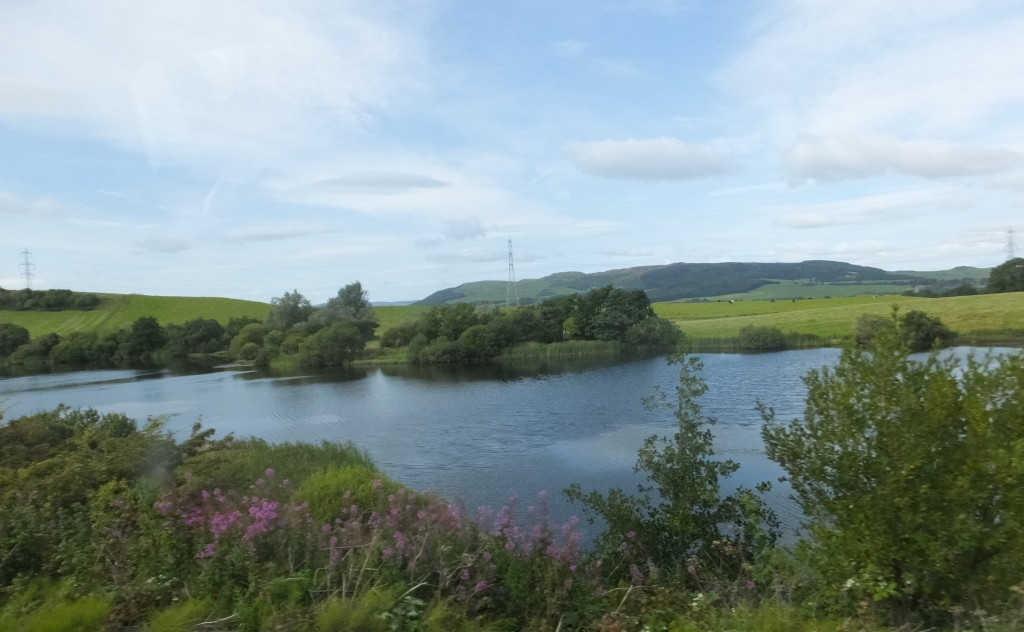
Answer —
(464, 333)
(46, 300)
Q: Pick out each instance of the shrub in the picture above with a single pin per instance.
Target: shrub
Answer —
(329, 491)
(11, 337)
(754, 338)
(911, 478)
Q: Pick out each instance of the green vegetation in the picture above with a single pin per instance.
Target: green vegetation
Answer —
(462, 333)
(118, 311)
(835, 319)
(1007, 277)
(46, 300)
(808, 279)
(911, 477)
(910, 474)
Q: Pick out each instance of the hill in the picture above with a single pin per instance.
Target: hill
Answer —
(680, 281)
(121, 310)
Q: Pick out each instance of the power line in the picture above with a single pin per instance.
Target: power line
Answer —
(511, 289)
(27, 266)
(1009, 243)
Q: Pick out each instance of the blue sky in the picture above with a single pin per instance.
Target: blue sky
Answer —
(248, 148)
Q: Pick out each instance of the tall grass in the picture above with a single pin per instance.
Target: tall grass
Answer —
(566, 350)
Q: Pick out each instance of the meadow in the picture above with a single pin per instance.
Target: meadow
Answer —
(118, 311)
(836, 318)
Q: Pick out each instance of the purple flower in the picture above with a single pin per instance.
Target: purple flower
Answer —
(269, 472)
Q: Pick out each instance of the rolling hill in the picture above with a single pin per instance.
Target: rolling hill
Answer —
(680, 281)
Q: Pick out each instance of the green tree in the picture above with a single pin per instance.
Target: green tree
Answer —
(289, 310)
(754, 338)
(352, 304)
(1007, 277)
(11, 337)
(146, 336)
(335, 345)
(679, 516)
(921, 332)
(911, 476)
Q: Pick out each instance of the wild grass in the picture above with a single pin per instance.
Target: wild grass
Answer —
(117, 311)
(570, 349)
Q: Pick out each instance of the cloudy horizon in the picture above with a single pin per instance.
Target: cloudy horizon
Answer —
(244, 149)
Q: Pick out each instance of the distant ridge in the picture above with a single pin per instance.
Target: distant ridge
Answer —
(676, 281)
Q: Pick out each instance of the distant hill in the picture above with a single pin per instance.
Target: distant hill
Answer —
(680, 281)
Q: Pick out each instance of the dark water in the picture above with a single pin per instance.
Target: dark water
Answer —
(477, 434)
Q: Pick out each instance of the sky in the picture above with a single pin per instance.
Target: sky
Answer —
(246, 148)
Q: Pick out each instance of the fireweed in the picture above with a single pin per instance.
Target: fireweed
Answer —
(415, 539)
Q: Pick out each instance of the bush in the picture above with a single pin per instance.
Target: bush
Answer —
(911, 478)
(335, 345)
(328, 492)
(753, 338)
(11, 337)
(680, 523)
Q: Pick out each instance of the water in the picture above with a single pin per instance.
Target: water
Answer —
(477, 434)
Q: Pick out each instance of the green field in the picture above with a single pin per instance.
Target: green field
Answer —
(117, 311)
(837, 317)
(788, 290)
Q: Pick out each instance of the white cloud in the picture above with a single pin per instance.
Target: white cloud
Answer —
(229, 86)
(382, 181)
(915, 68)
(10, 203)
(168, 245)
(870, 209)
(275, 232)
(468, 228)
(842, 157)
(661, 158)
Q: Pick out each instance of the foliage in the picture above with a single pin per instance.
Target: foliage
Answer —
(679, 522)
(46, 300)
(333, 346)
(922, 332)
(11, 337)
(328, 492)
(911, 476)
(350, 305)
(918, 330)
(1007, 276)
(288, 310)
(199, 335)
(462, 333)
(753, 338)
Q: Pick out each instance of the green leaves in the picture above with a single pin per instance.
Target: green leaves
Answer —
(910, 474)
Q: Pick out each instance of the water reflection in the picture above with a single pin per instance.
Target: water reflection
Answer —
(479, 433)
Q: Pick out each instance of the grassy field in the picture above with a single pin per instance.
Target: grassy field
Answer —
(788, 290)
(121, 310)
(837, 317)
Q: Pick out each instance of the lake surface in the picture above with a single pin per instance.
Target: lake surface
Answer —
(478, 434)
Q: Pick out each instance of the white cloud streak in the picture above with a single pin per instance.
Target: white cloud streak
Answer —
(661, 158)
(842, 157)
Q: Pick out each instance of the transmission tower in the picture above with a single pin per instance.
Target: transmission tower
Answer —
(27, 266)
(1009, 243)
(510, 290)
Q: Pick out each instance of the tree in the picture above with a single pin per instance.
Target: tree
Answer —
(679, 516)
(911, 476)
(332, 346)
(289, 310)
(146, 336)
(353, 305)
(921, 332)
(1007, 277)
(11, 337)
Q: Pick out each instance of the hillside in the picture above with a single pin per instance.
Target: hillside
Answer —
(679, 281)
(121, 310)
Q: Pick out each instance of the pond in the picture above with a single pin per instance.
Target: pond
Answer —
(476, 434)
